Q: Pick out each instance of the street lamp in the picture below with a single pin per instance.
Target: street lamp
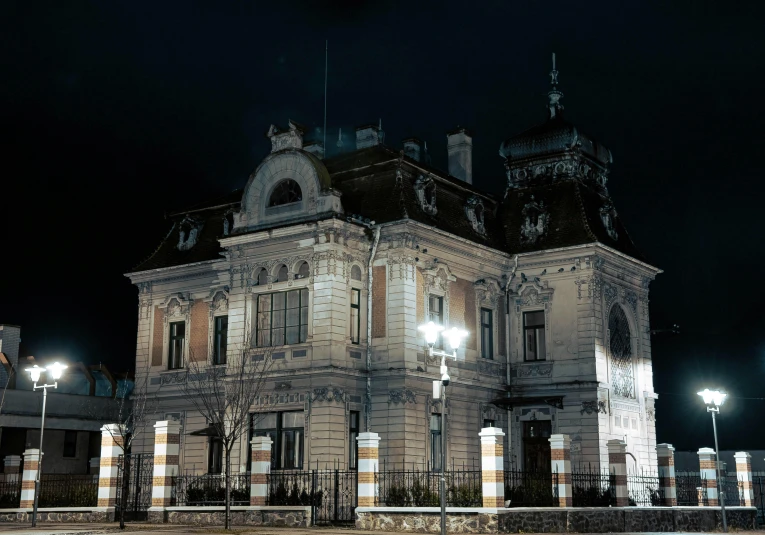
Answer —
(714, 399)
(454, 336)
(55, 370)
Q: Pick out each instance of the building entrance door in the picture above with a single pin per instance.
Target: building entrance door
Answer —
(536, 446)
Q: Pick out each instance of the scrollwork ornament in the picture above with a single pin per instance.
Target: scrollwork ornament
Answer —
(401, 397)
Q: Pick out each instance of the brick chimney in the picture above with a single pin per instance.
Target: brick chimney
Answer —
(459, 145)
(413, 148)
(10, 338)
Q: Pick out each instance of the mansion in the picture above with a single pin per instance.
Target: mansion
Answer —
(330, 264)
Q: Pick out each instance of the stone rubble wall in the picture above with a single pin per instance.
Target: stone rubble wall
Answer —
(63, 516)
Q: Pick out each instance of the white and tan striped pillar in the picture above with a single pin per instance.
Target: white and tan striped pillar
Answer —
(28, 476)
(261, 467)
(493, 466)
(708, 473)
(111, 449)
(369, 466)
(12, 467)
(167, 444)
(744, 476)
(617, 465)
(560, 460)
(666, 457)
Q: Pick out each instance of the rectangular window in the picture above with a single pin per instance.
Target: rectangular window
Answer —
(215, 459)
(286, 431)
(70, 443)
(534, 335)
(177, 339)
(436, 314)
(281, 318)
(355, 316)
(353, 446)
(220, 339)
(487, 334)
(435, 441)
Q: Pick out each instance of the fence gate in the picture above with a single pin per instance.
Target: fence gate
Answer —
(335, 496)
(134, 475)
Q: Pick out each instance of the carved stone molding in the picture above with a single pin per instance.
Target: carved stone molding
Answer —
(283, 385)
(401, 396)
(425, 190)
(594, 407)
(536, 221)
(487, 292)
(524, 371)
(474, 210)
(329, 394)
(489, 367)
(402, 266)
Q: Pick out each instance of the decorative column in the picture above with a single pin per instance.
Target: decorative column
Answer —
(111, 449)
(708, 474)
(492, 466)
(369, 444)
(744, 473)
(617, 465)
(560, 455)
(31, 466)
(261, 467)
(93, 465)
(666, 458)
(167, 443)
(12, 467)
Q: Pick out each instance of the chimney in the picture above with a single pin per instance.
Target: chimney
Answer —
(316, 148)
(412, 148)
(368, 136)
(459, 145)
(10, 338)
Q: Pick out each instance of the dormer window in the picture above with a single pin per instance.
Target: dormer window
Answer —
(286, 192)
(425, 188)
(535, 221)
(607, 216)
(188, 232)
(228, 223)
(475, 212)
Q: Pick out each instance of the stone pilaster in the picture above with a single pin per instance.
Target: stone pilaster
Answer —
(12, 467)
(617, 465)
(708, 473)
(744, 476)
(369, 444)
(111, 449)
(31, 466)
(492, 466)
(560, 455)
(167, 439)
(261, 467)
(666, 458)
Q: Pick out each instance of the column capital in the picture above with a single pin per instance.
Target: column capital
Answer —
(116, 430)
(32, 454)
(742, 457)
(491, 435)
(368, 440)
(261, 443)
(170, 427)
(664, 449)
(616, 446)
(706, 451)
(560, 442)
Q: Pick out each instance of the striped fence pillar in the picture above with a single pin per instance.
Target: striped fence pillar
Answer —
(261, 467)
(111, 449)
(12, 467)
(744, 476)
(708, 473)
(666, 458)
(617, 465)
(560, 455)
(28, 476)
(167, 443)
(493, 466)
(369, 465)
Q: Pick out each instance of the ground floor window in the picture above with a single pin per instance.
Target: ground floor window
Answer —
(215, 457)
(286, 431)
(353, 446)
(435, 441)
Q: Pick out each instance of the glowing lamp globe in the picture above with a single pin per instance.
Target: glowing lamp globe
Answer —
(455, 336)
(431, 331)
(713, 397)
(56, 370)
(35, 372)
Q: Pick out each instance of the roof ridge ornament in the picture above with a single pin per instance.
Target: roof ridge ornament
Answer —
(556, 108)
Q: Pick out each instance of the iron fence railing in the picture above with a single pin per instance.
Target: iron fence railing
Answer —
(592, 487)
(58, 490)
(643, 489)
(292, 488)
(758, 486)
(210, 489)
(10, 492)
(733, 489)
(416, 487)
(531, 489)
(687, 487)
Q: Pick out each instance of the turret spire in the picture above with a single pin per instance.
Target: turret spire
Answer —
(554, 95)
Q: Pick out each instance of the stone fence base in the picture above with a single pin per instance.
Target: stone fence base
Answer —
(553, 519)
(59, 514)
(293, 517)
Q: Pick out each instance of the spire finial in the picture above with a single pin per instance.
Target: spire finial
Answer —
(339, 138)
(554, 95)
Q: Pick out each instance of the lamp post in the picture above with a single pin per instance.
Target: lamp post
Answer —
(454, 337)
(55, 370)
(713, 400)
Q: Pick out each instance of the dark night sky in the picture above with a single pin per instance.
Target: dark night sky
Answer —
(115, 112)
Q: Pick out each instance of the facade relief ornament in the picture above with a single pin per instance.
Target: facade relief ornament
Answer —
(594, 407)
(401, 396)
(487, 292)
(489, 367)
(329, 394)
(536, 221)
(534, 370)
(291, 139)
(401, 266)
(188, 233)
(632, 299)
(425, 190)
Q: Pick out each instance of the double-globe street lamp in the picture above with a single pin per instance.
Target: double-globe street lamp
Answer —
(454, 336)
(714, 399)
(55, 370)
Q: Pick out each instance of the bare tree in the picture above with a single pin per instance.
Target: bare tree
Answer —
(224, 395)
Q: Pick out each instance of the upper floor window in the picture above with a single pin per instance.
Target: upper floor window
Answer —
(620, 347)
(355, 316)
(436, 313)
(282, 274)
(177, 339)
(435, 441)
(356, 273)
(303, 270)
(262, 277)
(220, 338)
(281, 318)
(487, 333)
(285, 192)
(534, 335)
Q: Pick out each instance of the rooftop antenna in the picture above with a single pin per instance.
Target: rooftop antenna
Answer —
(326, 57)
(554, 95)
(339, 138)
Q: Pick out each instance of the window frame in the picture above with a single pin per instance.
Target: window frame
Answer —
(219, 344)
(300, 325)
(440, 317)
(355, 322)
(212, 452)
(536, 328)
(282, 183)
(175, 361)
(487, 349)
(436, 442)
(67, 443)
(353, 445)
(277, 436)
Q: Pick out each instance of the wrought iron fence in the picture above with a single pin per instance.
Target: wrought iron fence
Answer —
(57, 490)
(643, 489)
(292, 488)
(416, 487)
(758, 488)
(331, 493)
(10, 492)
(210, 489)
(733, 489)
(687, 486)
(531, 489)
(592, 487)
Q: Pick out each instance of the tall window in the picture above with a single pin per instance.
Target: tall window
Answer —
(285, 192)
(620, 346)
(286, 431)
(436, 313)
(282, 318)
(353, 446)
(177, 338)
(70, 443)
(215, 458)
(220, 338)
(534, 335)
(487, 334)
(435, 441)
(355, 316)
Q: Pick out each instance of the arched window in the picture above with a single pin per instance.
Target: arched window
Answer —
(282, 273)
(262, 277)
(303, 271)
(620, 346)
(356, 273)
(285, 192)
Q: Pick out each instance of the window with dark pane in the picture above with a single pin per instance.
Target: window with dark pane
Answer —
(70, 443)
(436, 313)
(285, 192)
(262, 277)
(353, 446)
(303, 271)
(534, 335)
(220, 339)
(281, 318)
(286, 431)
(435, 441)
(282, 274)
(488, 423)
(620, 347)
(215, 456)
(487, 333)
(356, 273)
(355, 315)
(175, 351)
